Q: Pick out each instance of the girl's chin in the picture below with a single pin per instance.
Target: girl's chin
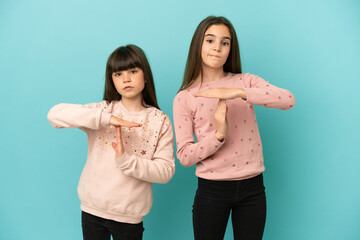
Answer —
(214, 66)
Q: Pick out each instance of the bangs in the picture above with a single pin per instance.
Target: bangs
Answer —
(123, 59)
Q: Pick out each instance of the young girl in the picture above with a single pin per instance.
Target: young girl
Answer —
(115, 190)
(216, 104)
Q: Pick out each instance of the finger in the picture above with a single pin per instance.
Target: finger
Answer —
(201, 94)
(219, 105)
(118, 135)
(124, 123)
(222, 104)
(114, 145)
(135, 125)
(225, 106)
(219, 113)
(211, 93)
(222, 107)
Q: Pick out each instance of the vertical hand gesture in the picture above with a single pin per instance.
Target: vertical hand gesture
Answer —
(118, 123)
(221, 120)
(118, 146)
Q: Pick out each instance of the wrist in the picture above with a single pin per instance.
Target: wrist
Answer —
(241, 93)
(219, 136)
(119, 154)
(111, 121)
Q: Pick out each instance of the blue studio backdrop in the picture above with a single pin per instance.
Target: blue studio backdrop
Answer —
(56, 51)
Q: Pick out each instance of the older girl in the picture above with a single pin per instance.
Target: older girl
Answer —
(216, 104)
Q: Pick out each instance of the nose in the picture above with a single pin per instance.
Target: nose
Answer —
(217, 47)
(126, 78)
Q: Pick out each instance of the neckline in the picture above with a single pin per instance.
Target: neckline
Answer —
(229, 74)
(137, 113)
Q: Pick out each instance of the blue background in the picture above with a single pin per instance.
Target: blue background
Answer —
(55, 51)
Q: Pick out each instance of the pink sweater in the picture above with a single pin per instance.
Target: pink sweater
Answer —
(240, 155)
(119, 189)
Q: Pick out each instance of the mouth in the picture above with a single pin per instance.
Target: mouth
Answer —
(127, 88)
(215, 56)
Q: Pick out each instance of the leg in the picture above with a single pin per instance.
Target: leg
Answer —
(210, 214)
(248, 217)
(94, 227)
(126, 231)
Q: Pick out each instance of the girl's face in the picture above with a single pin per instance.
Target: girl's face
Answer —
(216, 46)
(129, 83)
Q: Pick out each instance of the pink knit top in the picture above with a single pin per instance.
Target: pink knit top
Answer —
(240, 155)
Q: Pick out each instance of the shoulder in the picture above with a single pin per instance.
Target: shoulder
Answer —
(102, 104)
(239, 76)
(189, 91)
(183, 94)
(159, 117)
(250, 76)
(185, 98)
(157, 114)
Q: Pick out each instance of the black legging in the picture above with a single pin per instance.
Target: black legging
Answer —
(214, 201)
(97, 228)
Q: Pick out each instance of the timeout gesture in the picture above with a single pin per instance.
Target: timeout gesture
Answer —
(118, 123)
(221, 110)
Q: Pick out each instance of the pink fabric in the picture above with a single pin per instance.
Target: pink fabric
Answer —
(240, 155)
(119, 189)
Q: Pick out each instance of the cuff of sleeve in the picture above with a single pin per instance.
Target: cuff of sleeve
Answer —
(121, 161)
(249, 95)
(216, 141)
(105, 118)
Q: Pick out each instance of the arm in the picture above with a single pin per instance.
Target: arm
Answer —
(258, 92)
(222, 93)
(89, 116)
(189, 152)
(263, 93)
(160, 169)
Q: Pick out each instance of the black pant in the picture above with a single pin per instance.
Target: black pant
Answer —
(97, 228)
(214, 200)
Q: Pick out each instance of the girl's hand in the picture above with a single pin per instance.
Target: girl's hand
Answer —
(222, 93)
(221, 120)
(118, 147)
(118, 122)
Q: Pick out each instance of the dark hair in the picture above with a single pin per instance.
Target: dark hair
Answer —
(123, 58)
(194, 61)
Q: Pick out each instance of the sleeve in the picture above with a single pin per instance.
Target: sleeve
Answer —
(161, 168)
(88, 116)
(261, 92)
(189, 152)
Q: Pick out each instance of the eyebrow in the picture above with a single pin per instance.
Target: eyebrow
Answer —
(212, 35)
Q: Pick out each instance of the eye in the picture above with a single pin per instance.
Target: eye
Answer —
(133, 71)
(117, 74)
(209, 40)
(225, 43)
